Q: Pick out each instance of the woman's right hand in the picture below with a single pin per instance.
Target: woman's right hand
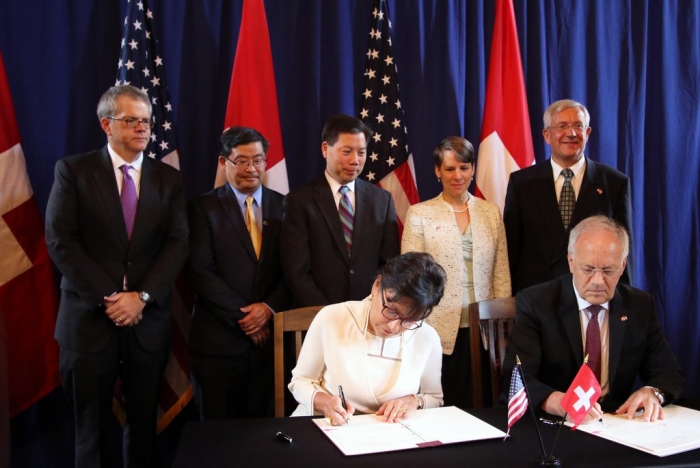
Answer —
(332, 408)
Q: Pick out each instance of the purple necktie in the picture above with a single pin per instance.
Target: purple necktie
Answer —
(347, 215)
(129, 199)
(593, 341)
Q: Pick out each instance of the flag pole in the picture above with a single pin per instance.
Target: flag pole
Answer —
(542, 460)
(561, 422)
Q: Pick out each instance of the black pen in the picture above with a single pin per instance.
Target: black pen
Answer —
(342, 400)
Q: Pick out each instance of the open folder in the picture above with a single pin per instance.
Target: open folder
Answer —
(678, 432)
(367, 433)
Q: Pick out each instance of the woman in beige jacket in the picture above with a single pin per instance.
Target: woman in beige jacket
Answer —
(465, 234)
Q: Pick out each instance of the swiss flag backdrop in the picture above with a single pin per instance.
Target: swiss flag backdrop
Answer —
(28, 296)
(506, 140)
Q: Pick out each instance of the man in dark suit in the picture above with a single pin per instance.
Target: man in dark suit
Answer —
(119, 260)
(235, 269)
(536, 216)
(339, 229)
(588, 313)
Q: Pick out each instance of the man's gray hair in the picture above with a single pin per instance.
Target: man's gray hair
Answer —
(564, 104)
(107, 106)
(600, 223)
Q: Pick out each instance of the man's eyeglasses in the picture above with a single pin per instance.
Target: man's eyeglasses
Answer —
(131, 122)
(392, 315)
(606, 272)
(243, 163)
(578, 127)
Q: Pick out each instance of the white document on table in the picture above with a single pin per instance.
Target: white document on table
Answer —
(678, 432)
(367, 433)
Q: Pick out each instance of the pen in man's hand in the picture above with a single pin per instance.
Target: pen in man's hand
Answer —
(342, 400)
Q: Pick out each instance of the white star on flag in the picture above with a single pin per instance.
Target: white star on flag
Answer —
(390, 164)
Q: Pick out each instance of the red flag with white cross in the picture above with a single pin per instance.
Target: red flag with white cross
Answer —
(581, 395)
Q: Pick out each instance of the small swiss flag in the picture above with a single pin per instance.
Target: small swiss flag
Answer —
(581, 395)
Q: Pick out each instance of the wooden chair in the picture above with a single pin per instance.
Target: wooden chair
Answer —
(297, 321)
(490, 321)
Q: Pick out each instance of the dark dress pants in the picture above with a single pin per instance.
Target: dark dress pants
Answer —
(89, 380)
(457, 376)
(229, 387)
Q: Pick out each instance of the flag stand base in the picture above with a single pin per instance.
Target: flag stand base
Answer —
(550, 460)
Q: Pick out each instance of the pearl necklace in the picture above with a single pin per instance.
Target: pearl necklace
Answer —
(460, 211)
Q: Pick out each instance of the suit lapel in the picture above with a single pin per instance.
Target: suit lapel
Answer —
(590, 194)
(546, 198)
(363, 205)
(148, 205)
(570, 317)
(229, 203)
(326, 203)
(617, 325)
(267, 227)
(109, 193)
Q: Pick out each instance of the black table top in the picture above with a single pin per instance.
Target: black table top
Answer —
(252, 442)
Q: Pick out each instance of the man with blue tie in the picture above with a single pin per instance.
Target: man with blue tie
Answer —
(116, 228)
(338, 230)
(234, 267)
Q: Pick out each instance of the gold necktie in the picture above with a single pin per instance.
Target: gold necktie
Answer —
(252, 225)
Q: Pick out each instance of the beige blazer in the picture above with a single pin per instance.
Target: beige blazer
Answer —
(431, 227)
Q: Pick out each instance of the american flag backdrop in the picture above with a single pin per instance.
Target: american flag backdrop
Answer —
(141, 65)
(389, 163)
(517, 398)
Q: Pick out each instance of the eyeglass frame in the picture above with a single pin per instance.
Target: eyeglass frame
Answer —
(578, 127)
(416, 323)
(147, 123)
(605, 272)
(248, 162)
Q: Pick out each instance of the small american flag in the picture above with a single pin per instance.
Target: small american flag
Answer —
(390, 164)
(141, 65)
(517, 398)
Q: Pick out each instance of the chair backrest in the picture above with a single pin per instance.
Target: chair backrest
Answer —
(490, 322)
(296, 321)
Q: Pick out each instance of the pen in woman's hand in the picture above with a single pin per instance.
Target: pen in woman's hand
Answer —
(342, 401)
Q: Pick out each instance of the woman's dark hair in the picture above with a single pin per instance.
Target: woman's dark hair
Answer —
(416, 278)
(462, 149)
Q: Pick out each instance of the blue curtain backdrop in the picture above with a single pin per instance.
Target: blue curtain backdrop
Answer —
(634, 63)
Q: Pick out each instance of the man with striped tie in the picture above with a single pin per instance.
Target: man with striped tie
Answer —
(339, 229)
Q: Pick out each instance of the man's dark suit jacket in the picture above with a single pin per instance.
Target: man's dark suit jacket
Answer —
(316, 263)
(548, 340)
(87, 240)
(537, 240)
(225, 272)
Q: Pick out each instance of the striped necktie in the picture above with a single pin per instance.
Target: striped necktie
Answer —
(347, 216)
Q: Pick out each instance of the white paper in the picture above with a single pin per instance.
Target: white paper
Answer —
(367, 433)
(678, 432)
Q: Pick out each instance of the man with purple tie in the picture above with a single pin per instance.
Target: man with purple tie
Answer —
(116, 228)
